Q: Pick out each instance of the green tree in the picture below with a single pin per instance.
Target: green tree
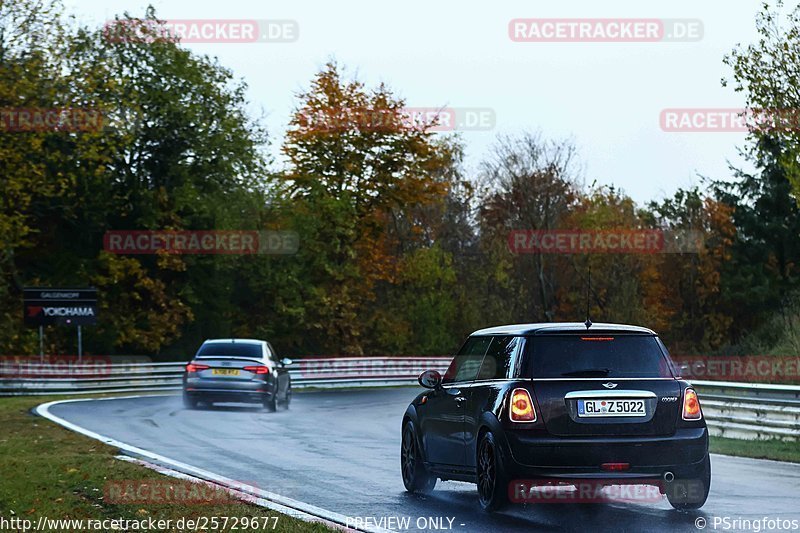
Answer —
(766, 72)
(176, 151)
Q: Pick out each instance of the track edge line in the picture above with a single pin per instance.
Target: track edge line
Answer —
(302, 508)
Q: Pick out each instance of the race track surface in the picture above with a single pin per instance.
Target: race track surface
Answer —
(339, 450)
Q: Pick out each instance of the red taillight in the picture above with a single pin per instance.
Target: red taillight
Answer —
(257, 369)
(194, 367)
(521, 408)
(615, 467)
(691, 405)
(597, 338)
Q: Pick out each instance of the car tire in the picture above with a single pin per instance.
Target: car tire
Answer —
(416, 477)
(686, 494)
(288, 398)
(189, 402)
(271, 403)
(491, 478)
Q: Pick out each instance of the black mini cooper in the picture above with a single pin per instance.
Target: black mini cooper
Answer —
(558, 403)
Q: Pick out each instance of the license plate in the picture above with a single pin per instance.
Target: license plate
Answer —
(225, 372)
(627, 407)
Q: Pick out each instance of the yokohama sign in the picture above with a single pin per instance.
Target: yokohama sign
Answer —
(72, 307)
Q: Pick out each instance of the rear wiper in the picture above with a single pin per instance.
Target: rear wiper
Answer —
(588, 372)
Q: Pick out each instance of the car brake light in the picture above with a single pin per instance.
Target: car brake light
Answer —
(257, 369)
(597, 338)
(615, 467)
(194, 367)
(691, 405)
(522, 407)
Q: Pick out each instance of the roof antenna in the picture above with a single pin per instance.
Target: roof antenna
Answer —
(588, 322)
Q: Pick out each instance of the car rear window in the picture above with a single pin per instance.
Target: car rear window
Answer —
(597, 355)
(230, 349)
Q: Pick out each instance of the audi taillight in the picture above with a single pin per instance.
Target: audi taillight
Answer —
(257, 369)
(194, 367)
(691, 405)
(521, 408)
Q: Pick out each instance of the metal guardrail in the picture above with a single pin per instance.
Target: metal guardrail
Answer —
(735, 410)
(35, 379)
(750, 410)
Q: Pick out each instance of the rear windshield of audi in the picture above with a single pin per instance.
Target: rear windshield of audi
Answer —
(229, 349)
(597, 356)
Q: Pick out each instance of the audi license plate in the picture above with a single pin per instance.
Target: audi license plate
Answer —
(628, 407)
(225, 372)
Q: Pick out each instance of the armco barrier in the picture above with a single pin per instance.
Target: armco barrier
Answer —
(160, 377)
(751, 410)
(736, 410)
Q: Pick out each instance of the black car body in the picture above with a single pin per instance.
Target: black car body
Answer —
(237, 370)
(464, 426)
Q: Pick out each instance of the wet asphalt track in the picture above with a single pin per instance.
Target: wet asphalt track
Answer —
(340, 451)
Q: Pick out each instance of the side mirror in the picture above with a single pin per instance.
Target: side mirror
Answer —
(286, 361)
(430, 379)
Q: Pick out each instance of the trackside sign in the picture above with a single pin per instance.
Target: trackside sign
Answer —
(69, 307)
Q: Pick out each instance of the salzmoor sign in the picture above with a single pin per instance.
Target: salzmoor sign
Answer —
(67, 307)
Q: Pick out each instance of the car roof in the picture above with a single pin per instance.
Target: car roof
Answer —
(547, 328)
(235, 341)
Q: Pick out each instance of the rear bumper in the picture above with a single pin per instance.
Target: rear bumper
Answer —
(682, 453)
(215, 391)
(228, 396)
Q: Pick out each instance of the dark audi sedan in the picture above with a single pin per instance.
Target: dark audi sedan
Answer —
(237, 370)
(556, 403)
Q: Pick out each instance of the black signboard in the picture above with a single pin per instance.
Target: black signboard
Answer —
(66, 307)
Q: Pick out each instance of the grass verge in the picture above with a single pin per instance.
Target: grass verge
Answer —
(46, 470)
(777, 450)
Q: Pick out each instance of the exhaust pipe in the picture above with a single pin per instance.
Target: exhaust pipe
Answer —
(669, 477)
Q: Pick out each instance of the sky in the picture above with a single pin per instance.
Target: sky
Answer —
(607, 97)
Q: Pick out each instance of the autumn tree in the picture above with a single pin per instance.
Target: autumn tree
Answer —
(611, 287)
(695, 285)
(355, 160)
(531, 183)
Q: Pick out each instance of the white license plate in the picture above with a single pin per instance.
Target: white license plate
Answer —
(626, 407)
